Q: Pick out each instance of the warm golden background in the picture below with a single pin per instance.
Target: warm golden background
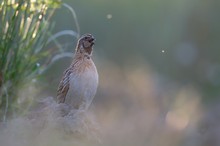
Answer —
(159, 69)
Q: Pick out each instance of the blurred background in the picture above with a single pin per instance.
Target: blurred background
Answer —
(158, 64)
(159, 68)
(176, 40)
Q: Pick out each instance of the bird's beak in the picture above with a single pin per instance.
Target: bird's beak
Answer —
(92, 41)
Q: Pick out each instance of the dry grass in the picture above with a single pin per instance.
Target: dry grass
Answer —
(134, 106)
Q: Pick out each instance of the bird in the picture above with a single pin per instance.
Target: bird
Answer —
(79, 82)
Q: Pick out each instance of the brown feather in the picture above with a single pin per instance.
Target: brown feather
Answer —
(65, 81)
(63, 86)
(69, 90)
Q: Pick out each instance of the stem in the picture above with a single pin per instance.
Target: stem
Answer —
(6, 106)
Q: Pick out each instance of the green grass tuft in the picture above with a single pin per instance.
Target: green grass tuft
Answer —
(24, 32)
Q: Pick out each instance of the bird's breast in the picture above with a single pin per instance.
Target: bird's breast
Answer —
(83, 84)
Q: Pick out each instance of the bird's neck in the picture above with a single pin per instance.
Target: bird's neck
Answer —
(82, 55)
(80, 58)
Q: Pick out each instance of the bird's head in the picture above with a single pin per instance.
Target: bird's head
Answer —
(85, 44)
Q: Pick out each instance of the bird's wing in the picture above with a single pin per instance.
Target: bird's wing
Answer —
(63, 86)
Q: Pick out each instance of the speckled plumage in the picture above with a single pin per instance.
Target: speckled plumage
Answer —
(79, 82)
